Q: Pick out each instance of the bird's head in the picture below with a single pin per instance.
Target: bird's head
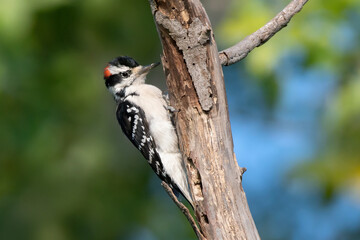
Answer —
(124, 71)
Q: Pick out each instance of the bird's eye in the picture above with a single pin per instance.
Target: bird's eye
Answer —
(125, 74)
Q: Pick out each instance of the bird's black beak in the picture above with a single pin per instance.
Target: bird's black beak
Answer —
(147, 68)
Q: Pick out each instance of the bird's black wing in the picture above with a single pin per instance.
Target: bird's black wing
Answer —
(134, 125)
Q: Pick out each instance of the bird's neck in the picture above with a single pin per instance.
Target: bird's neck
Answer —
(120, 93)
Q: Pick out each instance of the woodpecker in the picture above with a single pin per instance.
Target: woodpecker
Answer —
(144, 117)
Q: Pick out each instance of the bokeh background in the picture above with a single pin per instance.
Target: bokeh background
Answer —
(67, 172)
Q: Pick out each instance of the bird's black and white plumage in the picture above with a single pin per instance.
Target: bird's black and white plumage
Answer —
(143, 115)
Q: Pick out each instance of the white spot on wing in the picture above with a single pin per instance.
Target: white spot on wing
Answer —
(157, 165)
(151, 153)
(134, 127)
(135, 109)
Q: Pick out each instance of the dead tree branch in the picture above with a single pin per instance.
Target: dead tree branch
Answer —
(195, 82)
(244, 47)
(192, 66)
(184, 210)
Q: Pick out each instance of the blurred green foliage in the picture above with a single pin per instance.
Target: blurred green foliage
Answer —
(337, 167)
(66, 171)
(327, 35)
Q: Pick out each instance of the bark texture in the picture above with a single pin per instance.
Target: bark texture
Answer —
(196, 88)
(244, 47)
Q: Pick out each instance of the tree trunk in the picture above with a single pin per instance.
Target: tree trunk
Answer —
(196, 88)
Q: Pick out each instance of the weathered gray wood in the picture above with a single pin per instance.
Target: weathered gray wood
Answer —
(196, 87)
(240, 50)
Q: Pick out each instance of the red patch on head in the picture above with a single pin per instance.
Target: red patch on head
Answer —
(107, 72)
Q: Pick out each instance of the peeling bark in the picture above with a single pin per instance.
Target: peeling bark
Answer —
(196, 88)
(191, 42)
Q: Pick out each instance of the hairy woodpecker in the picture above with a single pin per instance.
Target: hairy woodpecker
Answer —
(143, 115)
